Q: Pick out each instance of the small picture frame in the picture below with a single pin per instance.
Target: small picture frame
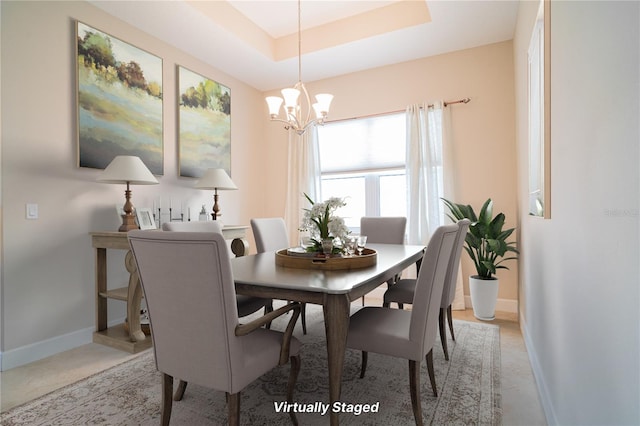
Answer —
(145, 218)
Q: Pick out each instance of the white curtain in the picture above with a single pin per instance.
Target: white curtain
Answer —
(429, 175)
(303, 177)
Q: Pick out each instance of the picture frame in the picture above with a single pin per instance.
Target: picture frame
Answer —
(204, 123)
(539, 98)
(145, 218)
(119, 101)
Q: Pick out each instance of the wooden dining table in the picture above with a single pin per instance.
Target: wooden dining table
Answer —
(258, 275)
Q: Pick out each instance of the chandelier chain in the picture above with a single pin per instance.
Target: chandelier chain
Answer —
(299, 44)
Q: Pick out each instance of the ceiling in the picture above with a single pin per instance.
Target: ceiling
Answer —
(257, 43)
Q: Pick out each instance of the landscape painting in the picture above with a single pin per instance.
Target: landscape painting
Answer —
(119, 101)
(205, 124)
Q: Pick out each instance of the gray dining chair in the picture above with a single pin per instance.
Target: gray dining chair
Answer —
(408, 334)
(271, 234)
(197, 337)
(403, 291)
(384, 230)
(246, 304)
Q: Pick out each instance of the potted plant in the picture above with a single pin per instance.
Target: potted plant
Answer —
(487, 245)
(324, 226)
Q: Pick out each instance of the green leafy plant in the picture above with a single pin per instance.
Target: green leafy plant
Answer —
(486, 241)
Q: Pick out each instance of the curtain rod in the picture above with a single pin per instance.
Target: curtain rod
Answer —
(459, 101)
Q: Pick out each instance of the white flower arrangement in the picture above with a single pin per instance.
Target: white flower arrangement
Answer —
(322, 223)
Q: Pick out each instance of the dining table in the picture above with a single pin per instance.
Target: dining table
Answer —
(259, 275)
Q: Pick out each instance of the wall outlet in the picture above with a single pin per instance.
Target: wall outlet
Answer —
(32, 211)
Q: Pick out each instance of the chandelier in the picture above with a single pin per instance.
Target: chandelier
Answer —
(297, 118)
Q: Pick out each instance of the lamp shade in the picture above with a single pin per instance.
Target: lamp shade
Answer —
(274, 103)
(127, 169)
(215, 179)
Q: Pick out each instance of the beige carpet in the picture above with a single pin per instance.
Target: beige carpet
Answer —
(129, 394)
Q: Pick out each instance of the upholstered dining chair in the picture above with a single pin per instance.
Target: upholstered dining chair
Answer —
(246, 304)
(403, 291)
(408, 334)
(271, 234)
(190, 293)
(384, 230)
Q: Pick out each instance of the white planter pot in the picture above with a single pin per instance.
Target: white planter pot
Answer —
(484, 295)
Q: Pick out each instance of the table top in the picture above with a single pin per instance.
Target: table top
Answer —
(261, 270)
(123, 235)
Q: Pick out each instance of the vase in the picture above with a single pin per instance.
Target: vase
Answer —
(484, 295)
(327, 246)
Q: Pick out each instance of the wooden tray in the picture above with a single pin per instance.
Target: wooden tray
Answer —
(368, 258)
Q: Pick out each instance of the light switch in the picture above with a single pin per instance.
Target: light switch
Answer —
(32, 211)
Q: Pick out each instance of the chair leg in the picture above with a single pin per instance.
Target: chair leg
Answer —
(293, 377)
(443, 334)
(414, 385)
(268, 308)
(233, 403)
(362, 300)
(400, 305)
(449, 317)
(167, 391)
(386, 304)
(182, 386)
(363, 367)
(303, 314)
(432, 374)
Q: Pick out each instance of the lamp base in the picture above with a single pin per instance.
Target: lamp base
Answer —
(128, 223)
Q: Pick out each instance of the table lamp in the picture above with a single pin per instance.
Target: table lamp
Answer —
(215, 179)
(132, 171)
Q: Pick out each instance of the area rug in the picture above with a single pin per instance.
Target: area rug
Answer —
(130, 393)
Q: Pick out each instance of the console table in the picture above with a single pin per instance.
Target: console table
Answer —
(133, 340)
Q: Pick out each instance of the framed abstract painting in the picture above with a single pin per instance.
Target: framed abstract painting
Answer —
(119, 100)
(204, 108)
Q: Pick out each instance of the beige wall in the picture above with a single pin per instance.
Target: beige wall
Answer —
(483, 130)
(48, 301)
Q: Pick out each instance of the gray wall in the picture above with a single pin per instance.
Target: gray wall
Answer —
(579, 273)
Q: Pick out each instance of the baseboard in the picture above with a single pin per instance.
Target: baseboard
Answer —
(541, 385)
(502, 305)
(45, 348)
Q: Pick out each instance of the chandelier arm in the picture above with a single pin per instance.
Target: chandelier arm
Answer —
(311, 123)
(309, 106)
(287, 122)
(293, 120)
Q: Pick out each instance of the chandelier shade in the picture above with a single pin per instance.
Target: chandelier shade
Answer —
(297, 116)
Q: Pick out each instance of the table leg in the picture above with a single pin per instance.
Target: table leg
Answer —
(134, 298)
(336, 323)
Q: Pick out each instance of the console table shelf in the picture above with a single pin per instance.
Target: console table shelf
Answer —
(132, 340)
(118, 294)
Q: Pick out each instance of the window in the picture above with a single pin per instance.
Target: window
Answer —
(363, 160)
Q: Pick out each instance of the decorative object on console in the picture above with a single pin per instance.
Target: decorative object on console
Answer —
(293, 110)
(215, 179)
(323, 225)
(204, 108)
(203, 214)
(145, 218)
(132, 171)
(119, 101)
